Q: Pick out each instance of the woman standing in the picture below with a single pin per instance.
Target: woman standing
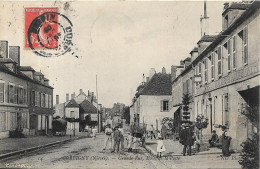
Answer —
(160, 146)
(225, 144)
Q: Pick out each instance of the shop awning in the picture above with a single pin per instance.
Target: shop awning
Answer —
(174, 109)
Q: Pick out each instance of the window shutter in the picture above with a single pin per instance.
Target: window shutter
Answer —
(161, 105)
(1, 92)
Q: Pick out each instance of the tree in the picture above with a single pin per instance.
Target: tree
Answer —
(201, 122)
(185, 113)
(250, 152)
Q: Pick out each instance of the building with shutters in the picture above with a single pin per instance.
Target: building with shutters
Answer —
(152, 101)
(25, 96)
(225, 74)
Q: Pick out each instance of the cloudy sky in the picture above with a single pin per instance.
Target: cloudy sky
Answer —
(117, 41)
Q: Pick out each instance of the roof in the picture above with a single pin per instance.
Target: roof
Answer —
(160, 84)
(72, 103)
(26, 68)
(87, 107)
(207, 38)
(6, 60)
(235, 5)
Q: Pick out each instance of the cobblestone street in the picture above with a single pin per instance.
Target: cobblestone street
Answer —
(88, 153)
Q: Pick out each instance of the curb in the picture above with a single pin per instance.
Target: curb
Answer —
(3, 156)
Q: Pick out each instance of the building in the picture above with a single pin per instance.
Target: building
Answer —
(26, 97)
(226, 73)
(153, 100)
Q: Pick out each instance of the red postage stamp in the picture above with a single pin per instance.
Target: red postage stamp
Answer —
(47, 32)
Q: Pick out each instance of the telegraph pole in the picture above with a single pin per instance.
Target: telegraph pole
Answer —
(98, 115)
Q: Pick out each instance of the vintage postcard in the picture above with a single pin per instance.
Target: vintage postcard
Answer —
(129, 84)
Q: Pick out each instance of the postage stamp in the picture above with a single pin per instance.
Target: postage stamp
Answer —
(47, 32)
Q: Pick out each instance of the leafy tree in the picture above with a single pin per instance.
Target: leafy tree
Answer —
(126, 114)
(201, 122)
(250, 152)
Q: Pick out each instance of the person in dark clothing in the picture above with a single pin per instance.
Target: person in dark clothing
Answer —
(214, 139)
(117, 138)
(186, 139)
(225, 144)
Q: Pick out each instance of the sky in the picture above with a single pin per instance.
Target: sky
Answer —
(116, 41)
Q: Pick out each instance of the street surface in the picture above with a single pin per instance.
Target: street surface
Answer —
(88, 153)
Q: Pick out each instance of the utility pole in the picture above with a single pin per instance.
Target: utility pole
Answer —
(98, 115)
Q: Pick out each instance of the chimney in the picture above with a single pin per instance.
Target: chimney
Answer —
(147, 79)
(88, 93)
(14, 54)
(173, 72)
(67, 97)
(151, 72)
(57, 99)
(73, 95)
(204, 21)
(80, 91)
(163, 70)
(3, 49)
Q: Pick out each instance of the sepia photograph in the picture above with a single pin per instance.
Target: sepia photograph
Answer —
(129, 84)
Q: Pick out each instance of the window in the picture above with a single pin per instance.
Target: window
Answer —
(50, 102)
(234, 52)
(219, 61)
(16, 95)
(24, 96)
(11, 93)
(33, 98)
(245, 46)
(20, 95)
(206, 70)
(2, 91)
(165, 105)
(229, 55)
(212, 65)
(46, 100)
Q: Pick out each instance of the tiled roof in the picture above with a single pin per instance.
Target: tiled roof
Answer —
(6, 60)
(160, 84)
(72, 103)
(87, 107)
(207, 38)
(26, 68)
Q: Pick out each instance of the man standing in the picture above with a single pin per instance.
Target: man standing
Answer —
(152, 132)
(214, 139)
(122, 139)
(186, 138)
(117, 137)
(108, 137)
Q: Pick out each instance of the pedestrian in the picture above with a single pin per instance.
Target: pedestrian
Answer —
(135, 142)
(108, 136)
(225, 144)
(214, 139)
(164, 131)
(129, 142)
(160, 146)
(94, 132)
(122, 138)
(152, 132)
(196, 145)
(117, 137)
(186, 138)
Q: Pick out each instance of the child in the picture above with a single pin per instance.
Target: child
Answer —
(135, 142)
(160, 146)
(129, 142)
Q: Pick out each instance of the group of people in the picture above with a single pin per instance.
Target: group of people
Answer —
(223, 141)
(117, 138)
(189, 139)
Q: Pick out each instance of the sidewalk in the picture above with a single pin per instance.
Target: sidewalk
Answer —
(174, 148)
(8, 145)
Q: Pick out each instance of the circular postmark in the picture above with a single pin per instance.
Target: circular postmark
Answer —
(50, 34)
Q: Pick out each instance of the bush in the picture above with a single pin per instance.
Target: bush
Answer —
(250, 153)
